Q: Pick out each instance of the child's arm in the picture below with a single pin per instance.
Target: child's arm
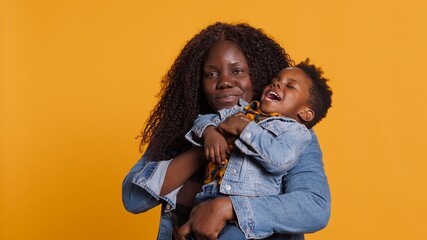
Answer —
(215, 146)
(275, 143)
(234, 124)
(203, 121)
(200, 124)
(205, 132)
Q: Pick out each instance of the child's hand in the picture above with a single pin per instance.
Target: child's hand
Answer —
(216, 147)
(234, 125)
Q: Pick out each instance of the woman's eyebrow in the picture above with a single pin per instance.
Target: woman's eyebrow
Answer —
(208, 66)
(238, 63)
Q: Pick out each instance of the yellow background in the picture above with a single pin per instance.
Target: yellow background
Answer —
(79, 78)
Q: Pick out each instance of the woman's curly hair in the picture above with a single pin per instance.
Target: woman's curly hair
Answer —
(181, 95)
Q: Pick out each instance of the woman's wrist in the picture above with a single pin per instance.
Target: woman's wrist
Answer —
(182, 168)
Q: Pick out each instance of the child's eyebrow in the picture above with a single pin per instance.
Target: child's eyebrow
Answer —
(275, 78)
(288, 79)
(291, 80)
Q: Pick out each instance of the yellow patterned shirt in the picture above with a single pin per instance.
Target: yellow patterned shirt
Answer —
(253, 112)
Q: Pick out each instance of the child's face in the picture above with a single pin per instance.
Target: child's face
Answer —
(287, 94)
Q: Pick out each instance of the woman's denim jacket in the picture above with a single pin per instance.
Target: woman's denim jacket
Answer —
(265, 152)
(303, 208)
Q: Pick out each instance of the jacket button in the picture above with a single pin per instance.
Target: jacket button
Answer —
(168, 206)
(248, 136)
(227, 187)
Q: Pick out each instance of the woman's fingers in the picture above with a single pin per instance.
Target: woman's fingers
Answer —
(183, 231)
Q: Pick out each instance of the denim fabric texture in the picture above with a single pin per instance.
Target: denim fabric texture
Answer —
(229, 232)
(304, 206)
(265, 152)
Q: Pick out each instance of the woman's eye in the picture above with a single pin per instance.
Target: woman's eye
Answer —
(238, 71)
(211, 74)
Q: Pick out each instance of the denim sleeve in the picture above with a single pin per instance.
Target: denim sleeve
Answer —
(199, 126)
(275, 144)
(203, 121)
(141, 187)
(303, 208)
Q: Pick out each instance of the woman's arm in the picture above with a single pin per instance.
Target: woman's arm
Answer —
(303, 208)
(149, 182)
(181, 169)
(135, 198)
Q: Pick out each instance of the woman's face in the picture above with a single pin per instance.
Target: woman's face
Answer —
(226, 77)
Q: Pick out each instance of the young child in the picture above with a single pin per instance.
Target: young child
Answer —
(268, 137)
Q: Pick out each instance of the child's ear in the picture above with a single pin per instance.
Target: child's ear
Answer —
(307, 114)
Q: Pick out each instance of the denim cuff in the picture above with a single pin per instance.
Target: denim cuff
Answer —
(151, 179)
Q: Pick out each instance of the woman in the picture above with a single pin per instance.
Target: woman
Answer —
(242, 60)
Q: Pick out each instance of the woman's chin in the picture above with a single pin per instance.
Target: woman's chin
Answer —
(225, 105)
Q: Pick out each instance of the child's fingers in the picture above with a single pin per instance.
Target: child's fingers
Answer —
(225, 153)
(218, 160)
(209, 154)
(223, 156)
(218, 154)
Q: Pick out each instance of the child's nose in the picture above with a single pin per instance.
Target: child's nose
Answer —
(276, 85)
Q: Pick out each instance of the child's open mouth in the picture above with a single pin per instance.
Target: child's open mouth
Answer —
(273, 96)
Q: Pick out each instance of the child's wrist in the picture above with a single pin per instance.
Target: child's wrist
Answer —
(207, 130)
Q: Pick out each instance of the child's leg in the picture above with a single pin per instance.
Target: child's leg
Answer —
(231, 232)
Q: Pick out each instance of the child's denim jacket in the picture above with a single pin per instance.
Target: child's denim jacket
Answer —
(264, 152)
(304, 207)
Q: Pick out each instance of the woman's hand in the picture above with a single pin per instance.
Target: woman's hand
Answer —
(208, 219)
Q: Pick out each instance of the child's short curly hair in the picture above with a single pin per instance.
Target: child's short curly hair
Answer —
(320, 99)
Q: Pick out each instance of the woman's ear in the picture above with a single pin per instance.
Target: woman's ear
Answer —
(306, 114)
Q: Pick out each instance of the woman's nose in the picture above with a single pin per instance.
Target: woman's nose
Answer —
(225, 81)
